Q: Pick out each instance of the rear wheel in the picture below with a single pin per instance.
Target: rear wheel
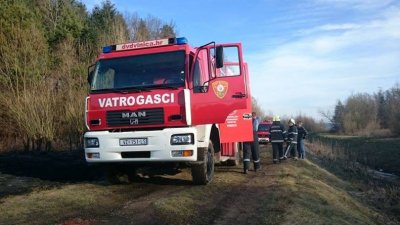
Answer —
(203, 173)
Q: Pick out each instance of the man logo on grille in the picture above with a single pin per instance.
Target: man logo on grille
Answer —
(133, 114)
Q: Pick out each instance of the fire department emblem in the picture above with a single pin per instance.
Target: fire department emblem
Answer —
(220, 88)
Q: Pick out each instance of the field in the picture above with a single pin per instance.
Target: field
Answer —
(382, 154)
(373, 165)
(44, 189)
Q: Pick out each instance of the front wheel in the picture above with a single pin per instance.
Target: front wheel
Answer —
(203, 173)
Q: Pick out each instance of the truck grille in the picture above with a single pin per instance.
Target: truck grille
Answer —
(135, 118)
(138, 155)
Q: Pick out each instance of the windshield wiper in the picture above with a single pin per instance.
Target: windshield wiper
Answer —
(124, 90)
(163, 86)
(147, 88)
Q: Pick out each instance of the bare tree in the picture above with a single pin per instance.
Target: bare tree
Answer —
(150, 28)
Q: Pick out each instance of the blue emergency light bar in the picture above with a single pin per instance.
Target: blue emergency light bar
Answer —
(181, 41)
(145, 44)
(107, 49)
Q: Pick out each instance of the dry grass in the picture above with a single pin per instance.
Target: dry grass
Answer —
(294, 192)
(348, 159)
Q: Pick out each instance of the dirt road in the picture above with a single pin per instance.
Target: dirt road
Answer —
(39, 191)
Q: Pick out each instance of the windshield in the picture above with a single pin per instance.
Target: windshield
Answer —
(158, 70)
(263, 127)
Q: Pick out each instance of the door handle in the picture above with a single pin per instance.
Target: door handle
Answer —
(238, 95)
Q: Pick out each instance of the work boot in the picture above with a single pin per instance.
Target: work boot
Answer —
(246, 166)
(275, 161)
(257, 166)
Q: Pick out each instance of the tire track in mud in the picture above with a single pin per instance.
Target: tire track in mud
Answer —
(139, 208)
(243, 204)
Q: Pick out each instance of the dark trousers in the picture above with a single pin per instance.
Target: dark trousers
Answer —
(277, 150)
(293, 148)
(251, 148)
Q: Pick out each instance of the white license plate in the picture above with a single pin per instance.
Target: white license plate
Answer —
(132, 141)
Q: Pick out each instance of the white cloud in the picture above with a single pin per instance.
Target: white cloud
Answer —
(357, 4)
(320, 67)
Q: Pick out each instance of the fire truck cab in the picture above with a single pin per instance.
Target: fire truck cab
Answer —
(163, 101)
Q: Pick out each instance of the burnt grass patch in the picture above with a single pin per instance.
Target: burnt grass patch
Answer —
(66, 166)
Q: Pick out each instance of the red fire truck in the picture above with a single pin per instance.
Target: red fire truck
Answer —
(163, 101)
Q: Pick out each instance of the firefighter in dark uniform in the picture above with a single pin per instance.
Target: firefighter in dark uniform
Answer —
(252, 148)
(292, 138)
(277, 136)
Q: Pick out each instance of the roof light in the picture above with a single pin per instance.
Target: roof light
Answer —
(107, 49)
(181, 41)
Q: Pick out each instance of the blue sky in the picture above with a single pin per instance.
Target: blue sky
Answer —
(303, 55)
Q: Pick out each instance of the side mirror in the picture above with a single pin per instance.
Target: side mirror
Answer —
(90, 74)
(219, 60)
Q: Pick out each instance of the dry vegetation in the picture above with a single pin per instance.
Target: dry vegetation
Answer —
(294, 192)
(368, 115)
(46, 47)
(363, 162)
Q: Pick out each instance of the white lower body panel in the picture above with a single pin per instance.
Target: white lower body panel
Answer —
(158, 145)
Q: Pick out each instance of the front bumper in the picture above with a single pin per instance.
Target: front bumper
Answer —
(158, 146)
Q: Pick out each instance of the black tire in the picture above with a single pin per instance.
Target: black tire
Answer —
(203, 173)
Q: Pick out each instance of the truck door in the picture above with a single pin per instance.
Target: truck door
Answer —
(216, 92)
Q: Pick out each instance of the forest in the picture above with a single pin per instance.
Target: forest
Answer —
(364, 114)
(46, 48)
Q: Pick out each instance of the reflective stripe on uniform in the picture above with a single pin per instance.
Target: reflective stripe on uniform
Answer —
(274, 131)
(256, 161)
(246, 160)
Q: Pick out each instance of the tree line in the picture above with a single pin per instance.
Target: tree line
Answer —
(311, 124)
(46, 47)
(376, 114)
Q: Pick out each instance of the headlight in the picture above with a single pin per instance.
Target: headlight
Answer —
(92, 142)
(182, 139)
